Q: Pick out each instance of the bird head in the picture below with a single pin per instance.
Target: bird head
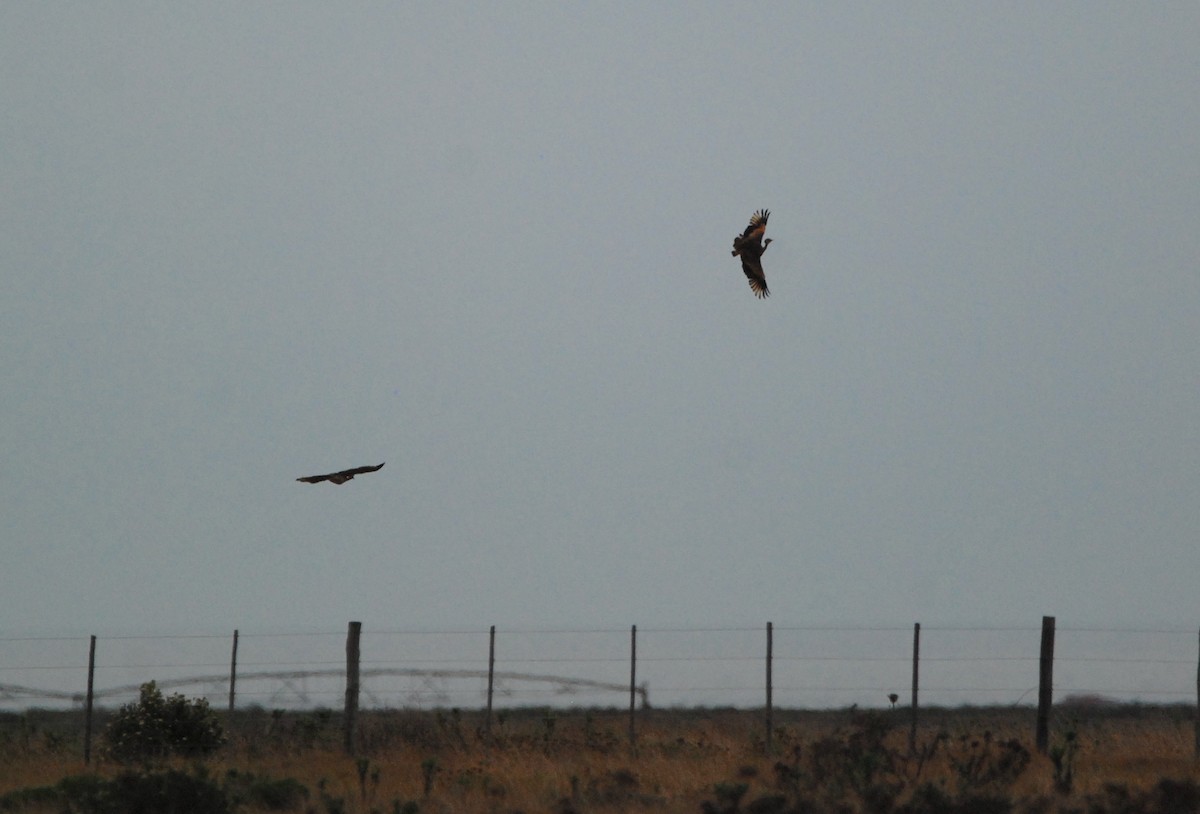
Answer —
(767, 242)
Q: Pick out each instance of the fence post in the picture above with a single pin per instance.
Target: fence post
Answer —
(87, 719)
(233, 673)
(912, 732)
(352, 659)
(632, 688)
(770, 723)
(1198, 709)
(491, 678)
(1045, 684)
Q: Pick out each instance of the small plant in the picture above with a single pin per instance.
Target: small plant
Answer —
(858, 763)
(548, 723)
(22, 736)
(366, 769)
(1062, 755)
(156, 728)
(597, 738)
(310, 730)
(452, 727)
(729, 798)
(984, 763)
(333, 805)
(429, 769)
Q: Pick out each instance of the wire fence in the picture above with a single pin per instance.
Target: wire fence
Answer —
(812, 667)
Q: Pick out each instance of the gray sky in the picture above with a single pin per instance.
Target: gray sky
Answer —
(489, 245)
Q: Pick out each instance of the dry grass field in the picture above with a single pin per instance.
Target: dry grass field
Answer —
(1102, 761)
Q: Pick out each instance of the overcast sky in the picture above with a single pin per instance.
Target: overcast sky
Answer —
(488, 244)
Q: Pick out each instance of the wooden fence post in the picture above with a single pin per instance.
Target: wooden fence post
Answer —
(233, 673)
(87, 719)
(770, 723)
(491, 678)
(632, 688)
(1045, 684)
(912, 732)
(352, 661)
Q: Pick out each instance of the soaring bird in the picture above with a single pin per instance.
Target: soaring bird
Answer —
(341, 477)
(748, 246)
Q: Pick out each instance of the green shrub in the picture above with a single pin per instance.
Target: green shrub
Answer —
(41, 798)
(1176, 796)
(133, 792)
(153, 793)
(155, 728)
(986, 764)
(1169, 796)
(248, 789)
(929, 799)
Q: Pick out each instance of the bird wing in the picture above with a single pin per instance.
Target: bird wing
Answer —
(752, 266)
(362, 470)
(758, 223)
(754, 232)
(341, 477)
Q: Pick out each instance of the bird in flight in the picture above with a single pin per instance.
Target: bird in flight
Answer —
(341, 477)
(751, 250)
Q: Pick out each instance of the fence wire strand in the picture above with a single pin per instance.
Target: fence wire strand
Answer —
(1129, 663)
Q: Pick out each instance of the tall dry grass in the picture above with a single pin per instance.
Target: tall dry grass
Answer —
(583, 761)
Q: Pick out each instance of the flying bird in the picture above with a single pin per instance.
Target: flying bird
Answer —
(748, 246)
(341, 477)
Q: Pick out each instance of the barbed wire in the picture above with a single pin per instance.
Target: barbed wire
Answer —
(517, 630)
(518, 661)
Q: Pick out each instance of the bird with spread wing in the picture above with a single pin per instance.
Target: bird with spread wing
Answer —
(341, 477)
(749, 247)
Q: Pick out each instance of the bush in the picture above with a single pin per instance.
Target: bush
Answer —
(245, 788)
(172, 791)
(132, 792)
(156, 727)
